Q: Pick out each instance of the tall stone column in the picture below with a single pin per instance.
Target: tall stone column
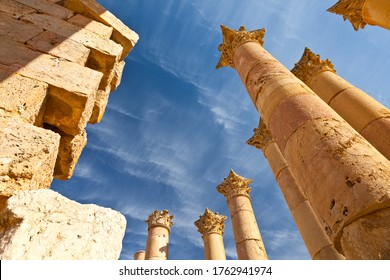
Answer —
(249, 243)
(139, 256)
(362, 12)
(211, 226)
(314, 236)
(345, 179)
(159, 226)
(370, 118)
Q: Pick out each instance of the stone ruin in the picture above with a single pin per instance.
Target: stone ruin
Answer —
(59, 62)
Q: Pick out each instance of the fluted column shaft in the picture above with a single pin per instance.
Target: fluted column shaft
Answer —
(249, 244)
(159, 224)
(362, 12)
(313, 234)
(345, 179)
(211, 226)
(370, 118)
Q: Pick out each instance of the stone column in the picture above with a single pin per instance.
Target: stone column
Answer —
(370, 118)
(211, 225)
(345, 179)
(139, 256)
(362, 12)
(159, 226)
(314, 236)
(249, 243)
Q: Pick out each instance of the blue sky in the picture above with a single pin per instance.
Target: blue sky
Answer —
(176, 126)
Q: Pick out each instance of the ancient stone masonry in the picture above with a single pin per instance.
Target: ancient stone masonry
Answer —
(345, 179)
(159, 227)
(370, 118)
(42, 224)
(249, 243)
(59, 61)
(362, 12)
(314, 236)
(211, 226)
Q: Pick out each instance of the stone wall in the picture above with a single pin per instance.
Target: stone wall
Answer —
(59, 61)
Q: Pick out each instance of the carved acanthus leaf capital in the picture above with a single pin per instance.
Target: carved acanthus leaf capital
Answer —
(261, 137)
(210, 222)
(232, 39)
(234, 185)
(310, 65)
(160, 219)
(351, 10)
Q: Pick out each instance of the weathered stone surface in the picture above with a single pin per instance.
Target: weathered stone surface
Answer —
(159, 226)
(73, 87)
(15, 9)
(249, 244)
(91, 25)
(118, 71)
(67, 111)
(46, 7)
(22, 97)
(100, 105)
(371, 227)
(27, 156)
(68, 154)
(59, 46)
(46, 225)
(121, 34)
(104, 53)
(17, 30)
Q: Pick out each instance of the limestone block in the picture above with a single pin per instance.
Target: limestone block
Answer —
(59, 46)
(27, 156)
(68, 154)
(17, 30)
(104, 53)
(92, 25)
(118, 71)
(373, 230)
(15, 9)
(73, 87)
(377, 133)
(22, 97)
(46, 225)
(100, 105)
(121, 34)
(46, 7)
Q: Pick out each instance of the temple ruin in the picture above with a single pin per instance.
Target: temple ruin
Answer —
(326, 141)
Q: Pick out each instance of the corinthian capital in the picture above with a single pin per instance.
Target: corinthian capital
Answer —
(261, 137)
(232, 39)
(234, 185)
(160, 219)
(350, 10)
(210, 222)
(310, 65)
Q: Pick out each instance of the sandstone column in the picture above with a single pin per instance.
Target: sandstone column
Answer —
(159, 225)
(139, 256)
(314, 236)
(362, 12)
(211, 225)
(345, 179)
(249, 243)
(370, 118)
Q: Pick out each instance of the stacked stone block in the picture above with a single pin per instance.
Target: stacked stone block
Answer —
(59, 61)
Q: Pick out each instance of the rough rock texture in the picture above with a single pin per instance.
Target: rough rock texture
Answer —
(69, 154)
(59, 46)
(27, 156)
(42, 224)
(121, 34)
(22, 98)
